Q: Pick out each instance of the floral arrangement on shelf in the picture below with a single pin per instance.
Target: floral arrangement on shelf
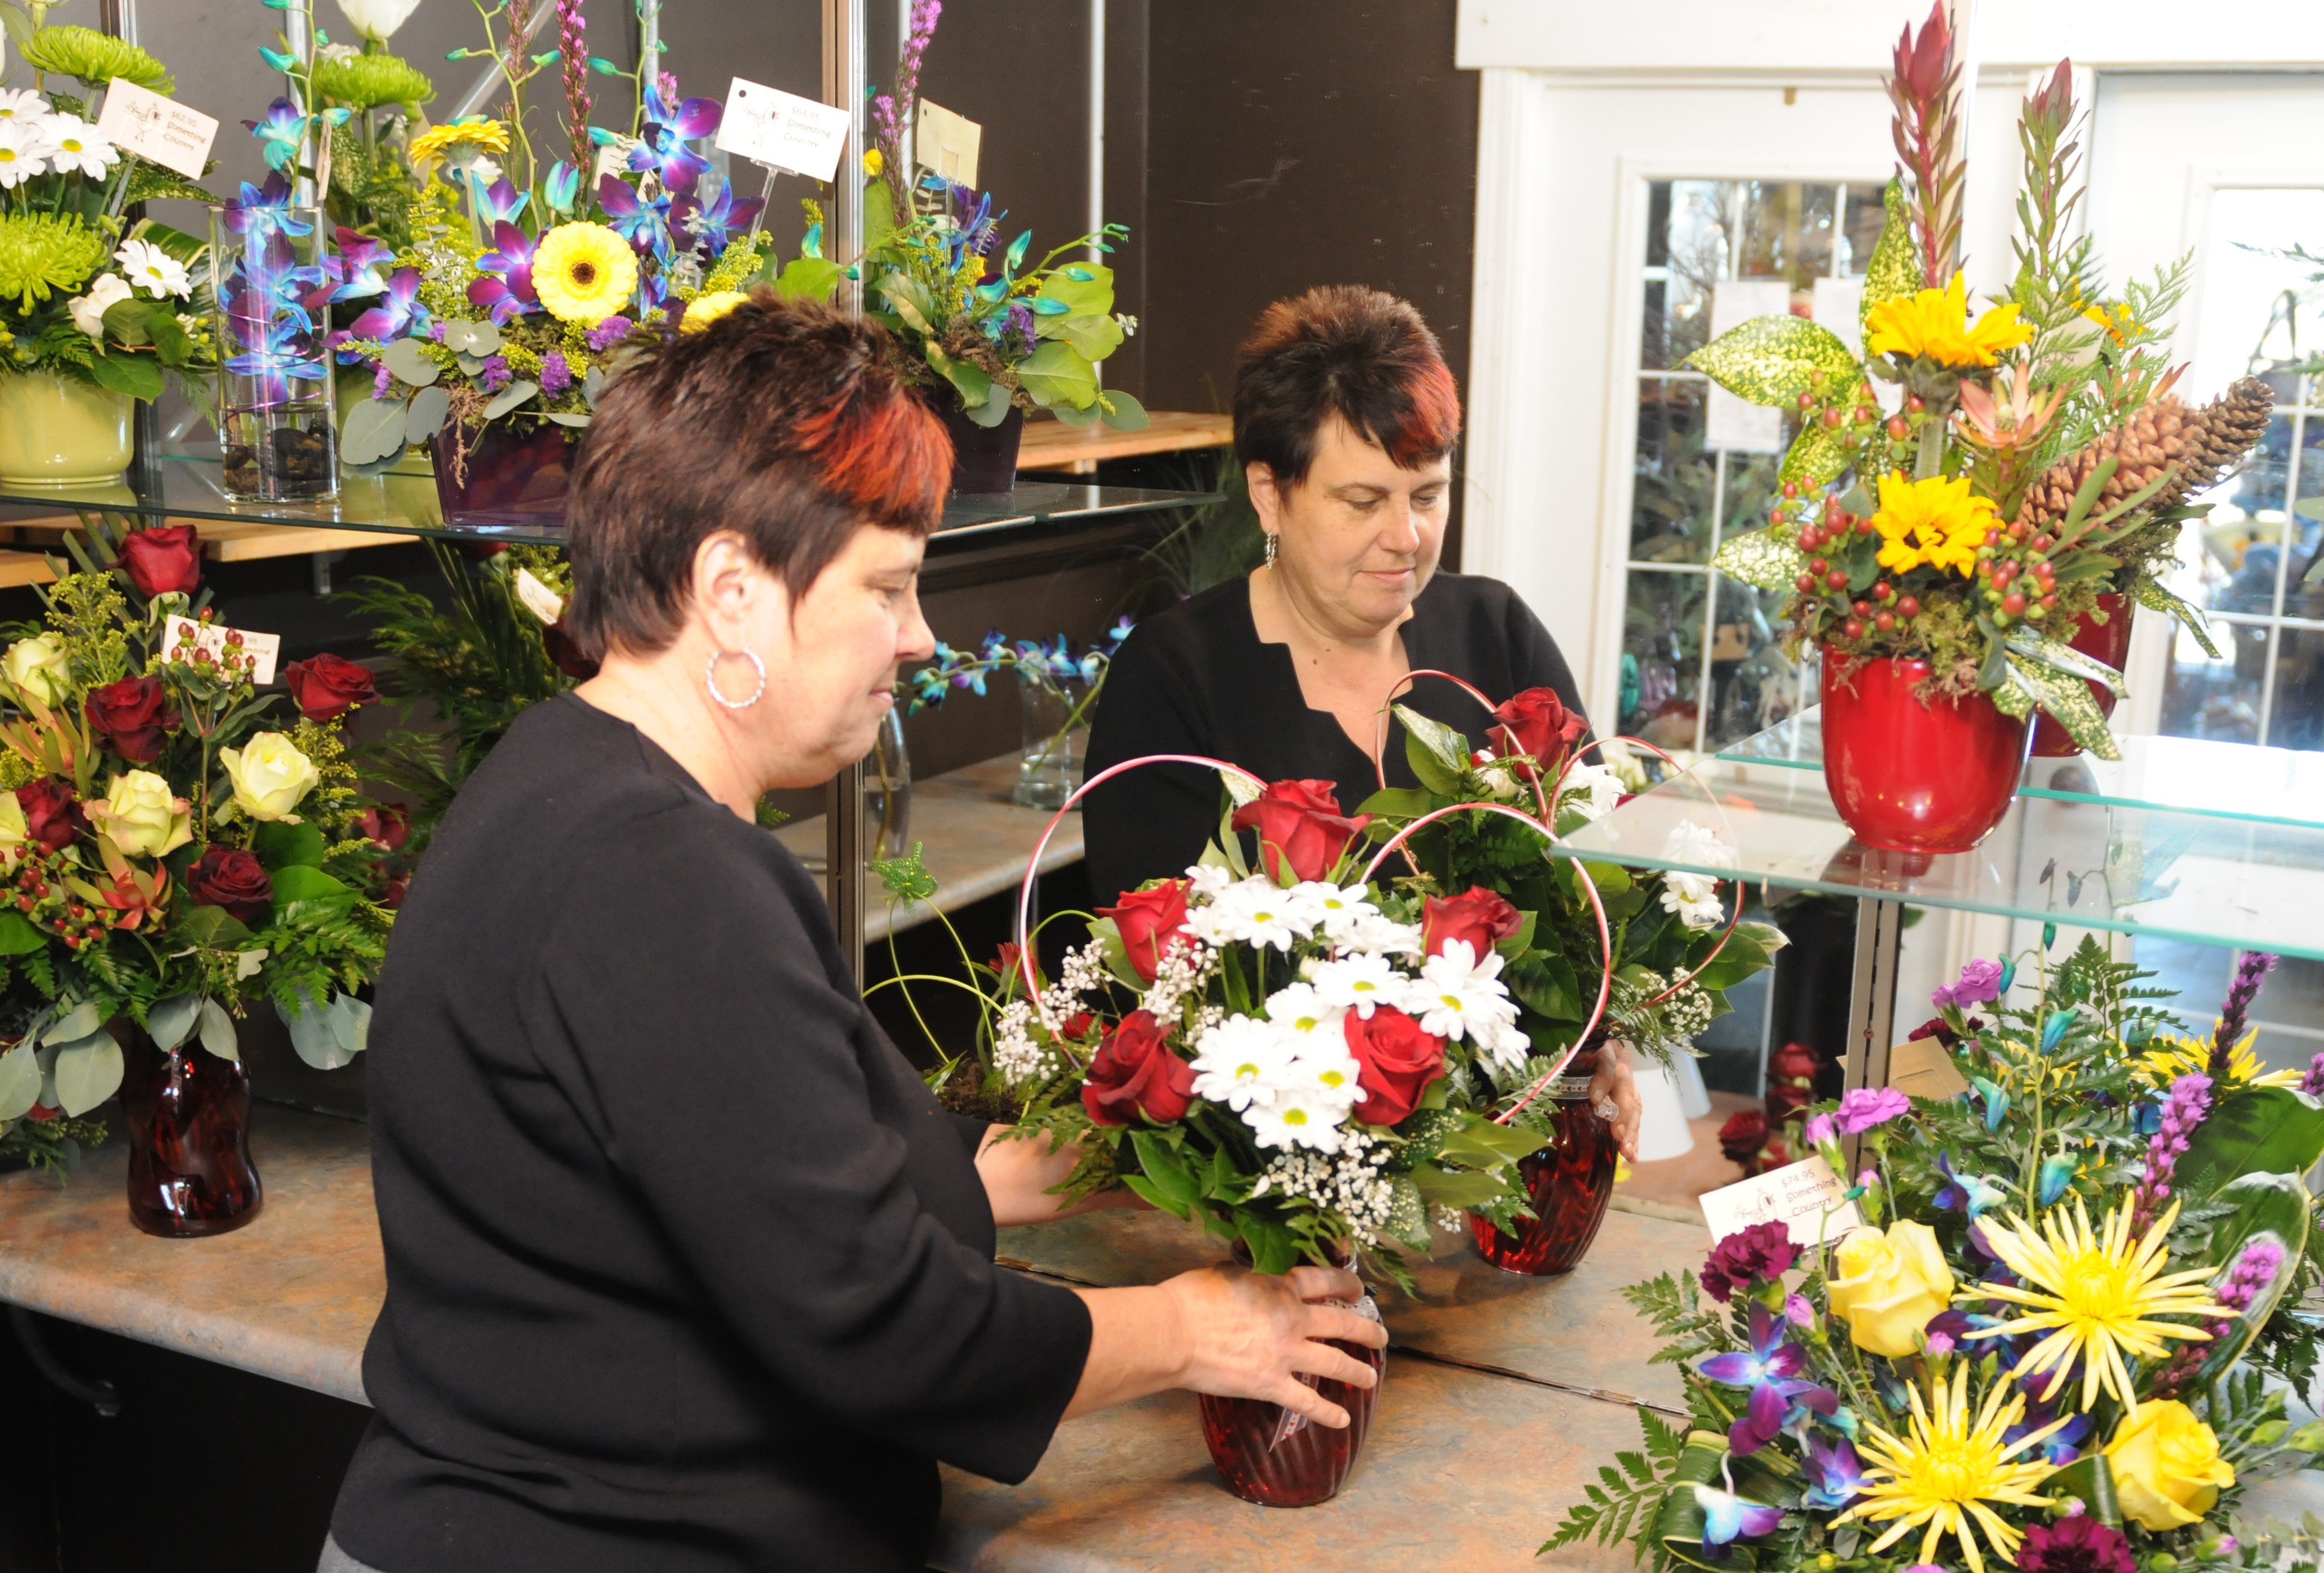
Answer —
(1016, 338)
(2039, 459)
(172, 852)
(355, 144)
(85, 293)
(2063, 1339)
(1052, 666)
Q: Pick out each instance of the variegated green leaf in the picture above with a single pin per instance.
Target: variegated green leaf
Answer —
(2012, 701)
(2067, 700)
(1816, 457)
(2036, 646)
(1895, 268)
(1762, 559)
(1769, 360)
(2155, 598)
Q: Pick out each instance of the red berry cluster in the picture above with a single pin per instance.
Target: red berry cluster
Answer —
(235, 662)
(39, 892)
(1827, 530)
(2016, 576)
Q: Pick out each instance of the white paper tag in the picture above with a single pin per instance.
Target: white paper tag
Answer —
(769, 126)
(1807, 1197)
(947, 142)
(157, 128)
(538, 599)
(1737, 424)
(264, 647)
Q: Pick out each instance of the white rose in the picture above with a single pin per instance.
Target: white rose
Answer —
(12, 829)
(270, 777)
(35, 668)
(377, 19)
(141, 815)
(88, 310)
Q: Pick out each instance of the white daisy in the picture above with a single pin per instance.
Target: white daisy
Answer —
(1244, 1060)
(1304, 1014)
(1301, 1117)
(153, 270)
(79, 148)
(22, 106)
(24, 152)
(1502, 778)
(1207, 879)
(1361, 983)
(1378, 935)
(88, 310)
(1252, 912)
(1590, 790)
(1504, 1042)
(1326, 1069)
(1457, 996)
(1338, 908)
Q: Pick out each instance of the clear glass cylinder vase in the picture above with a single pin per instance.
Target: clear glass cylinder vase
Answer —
(1046, 774)
(888, 793)
(277, 431)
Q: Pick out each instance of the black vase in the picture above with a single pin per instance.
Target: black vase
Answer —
(984, 457)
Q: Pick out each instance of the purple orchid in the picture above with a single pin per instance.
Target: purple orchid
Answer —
(261, 211)
(499, 203)
(1726, 1517)
(505, 287)
(400, 312)
(712, 223)
(1770, 1368)
(1866, 1108)
(663, 149)
(2061, 1446)
(361, 260)
(280, 353)
(283, 128)
(644, 224)
(1834, 1475)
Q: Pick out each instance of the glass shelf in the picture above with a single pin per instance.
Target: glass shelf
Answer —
(185, 484)
(2208, 875)
(2278, 786)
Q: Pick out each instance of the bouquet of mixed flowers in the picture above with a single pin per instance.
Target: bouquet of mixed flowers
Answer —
(2063, 1341)
(2039, 459)
(85, 293)
(171, 852)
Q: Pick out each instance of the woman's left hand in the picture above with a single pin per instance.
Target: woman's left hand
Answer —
(1020, 1175)
(1614, 1093)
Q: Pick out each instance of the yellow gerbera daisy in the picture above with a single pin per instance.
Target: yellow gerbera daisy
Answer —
(1937, 520)
(1930, 324)
(1943, 1474)
(704, 310)
(583, 273)
(2095, 1294)
(486, 135)
(2168, 1058)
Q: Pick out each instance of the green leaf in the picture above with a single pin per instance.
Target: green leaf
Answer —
(18, 937)
(1770, 360)
(134, 375)
(1460, 1187)
(128, 321)
(2272, 1208)
(2034, 645)
(406, 364)
(1158, 1159)
(2155, 598)
(1057, 373)
(973, 382)
(1743, 954)
(282, 845)
(909, 300)
(809, 278)
(1089, 296)
(1894, 269)
(1095, 337)
(1763, 560)
(88, 1072)
(301, 882)
(428, 408)
(171, 1021)
(372, 431)
(2254, 1130)
(2089, 1480)
(19, 1081)
(1399, 803)
(511, 397)
(1123, 411)
(1817, 455)
(218, 1036)
(2066, 698)
(471, 338)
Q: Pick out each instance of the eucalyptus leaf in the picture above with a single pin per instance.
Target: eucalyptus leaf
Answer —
(994, 409)
(406, 364)
(569, 418)
(510, 398)
(592, 385)
(170, 1021)
(218, 1036)
(471, 338)
(372, 431)
(19, 1081)
(471, 365)
(76, 1024)
(429, 407)
(312, 1037)
(88, 1072)
(1123, 412)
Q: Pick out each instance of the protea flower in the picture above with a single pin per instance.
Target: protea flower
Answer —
(2014, 422)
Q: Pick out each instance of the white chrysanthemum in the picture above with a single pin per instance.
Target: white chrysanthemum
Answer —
(1299, 1010)
(1339, 908)
(1694, 895)
(1592, 790)
(78, 147)
(1361, 983)
(88, 310)
(1253, 912)
(24, 151)
(1378, 935)
(1457, 996)
(22, 106)
(153, 270)
(1207, 879)
(1302, 1115)
(1504, 1043)
(1244, 1060)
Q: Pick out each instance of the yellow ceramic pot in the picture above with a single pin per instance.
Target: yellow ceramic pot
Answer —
(55, 431)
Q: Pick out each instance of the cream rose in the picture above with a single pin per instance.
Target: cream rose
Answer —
(142, 816)
(35, 668)
(1887, 1286)
(270, 777)
(13, 831)
(2167, 1468)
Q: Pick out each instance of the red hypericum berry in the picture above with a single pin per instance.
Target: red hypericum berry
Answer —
(1836, 579)
(1777, 515)
(1865, 526)
(2050, 600)
(1886, 621)
(1832, 420)
(1852, 628)
(1817, 565)
(1897, 430)
(1865, 414)
(1806, 582)
(24, 904)
(1791, 488)
(1915, 403)
(2014, 604)
(1908, 606)
(2045, 541)
(1807, 401)
(1862, 608)
(1883, 591)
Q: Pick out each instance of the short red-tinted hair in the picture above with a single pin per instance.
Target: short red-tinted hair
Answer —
(1362, 354)
(783, 421)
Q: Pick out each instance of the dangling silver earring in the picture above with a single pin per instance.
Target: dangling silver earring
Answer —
(1270, 549)
(710, 678)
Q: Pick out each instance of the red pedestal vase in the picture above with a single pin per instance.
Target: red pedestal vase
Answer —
(1913, 777)
(1263, 1462)
(984, 457)
(188, 1115)
(503, 467)
(2108, 642)
(1570, 1181)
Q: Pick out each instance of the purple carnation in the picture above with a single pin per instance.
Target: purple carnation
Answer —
(2075, 1544)
(1759, 1253)
(1820, 1130)
(2313, 1082)
(1868, 1107)
(381, 380)
(609, 332)
(555, 374)
(1980, 981)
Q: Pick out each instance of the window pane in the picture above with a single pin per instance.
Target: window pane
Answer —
(1752, 487)
(1861, 232)
(2228, 561)
(2219, 699)
(1662, 655)
(2297, 718)
(2294, 995)
(1676, 321)
(1670, 506)
(1753, 683)
(2305, 530)
(1787, 231)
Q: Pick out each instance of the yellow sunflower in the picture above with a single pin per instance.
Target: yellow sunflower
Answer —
(1943, 1474)
(583, 273)
(2095, 1294)
(1940, 521)
(704, 310)
(2168, 1058)
(1929, 325)
(487, 136)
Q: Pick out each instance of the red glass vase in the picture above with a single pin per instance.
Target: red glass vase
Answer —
(189, 1115)
(1570, 1181)
(1912, 778)
(500, 468)
(2108, 642)
(1272, 1460)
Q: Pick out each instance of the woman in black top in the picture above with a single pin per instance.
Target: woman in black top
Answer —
(686, 1269)
(1345, 417)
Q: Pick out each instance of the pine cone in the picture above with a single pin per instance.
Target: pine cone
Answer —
(2202, 442)
(2233, 424)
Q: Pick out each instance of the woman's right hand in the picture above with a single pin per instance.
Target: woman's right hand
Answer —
(1252, 1334)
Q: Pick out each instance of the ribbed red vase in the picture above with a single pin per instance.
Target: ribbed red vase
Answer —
(1569, 1181)
(2108, 642)
(189, 1117)
(1308, 1464)
(1912, 778)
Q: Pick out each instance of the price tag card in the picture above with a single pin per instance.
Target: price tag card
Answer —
(769, 126)
(538, 599)
(157, 128)
(947, 142)
(265, 648)
(1924, 1068)
(1806, 1196)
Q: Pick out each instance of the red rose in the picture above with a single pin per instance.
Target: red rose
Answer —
(1134, 1073)
(159, 561)
(1397, 1060)
(327, 686)
(1149, 922)
(1742, 1136)
(566, 655)
(1477, 915)
(388, 825)
(232, 878)
(52, 815)
(397, 884)
(133, 716)
(1794, 1062)
(1536, 722)
(1300, 824)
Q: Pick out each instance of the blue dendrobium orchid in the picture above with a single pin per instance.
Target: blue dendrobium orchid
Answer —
(281, 353)
(643, 223)
(361, 259)
(506, 288)
(499, 203)
(400, 312)
(261, 211)
(667, 132)
(562, 187)
(2062, 1446)
(282, 131)
(1834, 1475)
(1975, 1192)
(1770, 1369)
(1727, 1517)
(712, 223)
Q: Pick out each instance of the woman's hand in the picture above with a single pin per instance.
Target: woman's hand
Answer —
(1615, 1086)
(1020, 1175)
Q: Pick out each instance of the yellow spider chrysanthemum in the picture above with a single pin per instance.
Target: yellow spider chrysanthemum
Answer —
(1938, 520)
(1944, 1474)
(583, 273)
(2168, 1058)
(2095, 1294)
(488, 135)
(704, 310)
(1930, 324)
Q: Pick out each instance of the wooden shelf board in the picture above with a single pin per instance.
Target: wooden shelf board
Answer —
(1051, 444)
(225, 542)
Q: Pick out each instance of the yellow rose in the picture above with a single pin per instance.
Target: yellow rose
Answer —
(1887, 1286)
(12, 829)
(2167, 1468)
(35, 668)
(141, 815)
(270, 777)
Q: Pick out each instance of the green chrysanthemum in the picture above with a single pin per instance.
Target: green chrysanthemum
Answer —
(44, 251)
(96, 59)
(368, 81)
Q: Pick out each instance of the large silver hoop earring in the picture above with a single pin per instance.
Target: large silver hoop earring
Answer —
(710, 678)
(1270, 549)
